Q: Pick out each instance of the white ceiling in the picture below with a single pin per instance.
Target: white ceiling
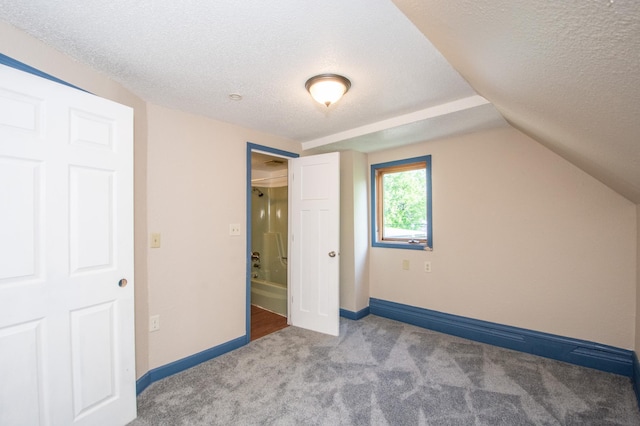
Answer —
(190, 55)
(565, 73)
(268, 163)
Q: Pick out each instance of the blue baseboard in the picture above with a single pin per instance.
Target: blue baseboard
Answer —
(575, 351)
(354, 315)
(143, 382)
(182, 364)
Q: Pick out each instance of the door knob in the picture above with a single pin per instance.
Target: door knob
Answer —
(122, 282)
(332, 254)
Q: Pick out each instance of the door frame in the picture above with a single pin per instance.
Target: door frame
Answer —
(252, 147)
(13, 63)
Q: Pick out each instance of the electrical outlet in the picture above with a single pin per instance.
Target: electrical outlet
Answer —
(155, 240)
(234, 229)
(427, 266)
(154, 323)
(405, 264)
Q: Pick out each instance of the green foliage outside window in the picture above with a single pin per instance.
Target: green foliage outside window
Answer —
(405, 200)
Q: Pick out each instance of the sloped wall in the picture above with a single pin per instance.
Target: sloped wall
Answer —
(522, 238)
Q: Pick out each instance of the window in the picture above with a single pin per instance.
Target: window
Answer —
(401, 204)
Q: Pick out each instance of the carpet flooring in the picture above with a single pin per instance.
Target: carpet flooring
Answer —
(383, 372)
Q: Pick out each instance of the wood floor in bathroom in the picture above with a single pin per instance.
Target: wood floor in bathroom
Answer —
(264, 322)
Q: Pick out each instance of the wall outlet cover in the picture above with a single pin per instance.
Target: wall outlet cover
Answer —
(154, 323)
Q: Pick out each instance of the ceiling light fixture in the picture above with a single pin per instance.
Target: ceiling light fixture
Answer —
(327, 88)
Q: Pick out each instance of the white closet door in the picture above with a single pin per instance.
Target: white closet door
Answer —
(66, 242)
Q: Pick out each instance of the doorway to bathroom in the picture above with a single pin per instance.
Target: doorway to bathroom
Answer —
(268, 231)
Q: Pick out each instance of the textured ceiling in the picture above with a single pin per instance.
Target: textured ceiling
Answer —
(190, 55)
(566, 73)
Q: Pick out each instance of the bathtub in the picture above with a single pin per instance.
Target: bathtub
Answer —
(269, 295)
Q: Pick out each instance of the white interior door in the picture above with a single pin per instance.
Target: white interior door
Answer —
(314, 249)
(66, 241)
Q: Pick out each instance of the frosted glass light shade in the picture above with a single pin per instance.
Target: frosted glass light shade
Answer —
(327, 88)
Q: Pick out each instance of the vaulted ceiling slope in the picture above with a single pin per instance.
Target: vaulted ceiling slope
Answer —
(566, 73)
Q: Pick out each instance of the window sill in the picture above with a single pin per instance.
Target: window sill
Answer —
(405, 246)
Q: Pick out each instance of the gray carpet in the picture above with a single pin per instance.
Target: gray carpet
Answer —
(383, 372)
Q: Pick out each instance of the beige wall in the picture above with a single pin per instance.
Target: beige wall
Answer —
(361, 229)
(521, 237)
(24, 48)
(354, 232)
(196, 188)
(189, 185)
(637, 323)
